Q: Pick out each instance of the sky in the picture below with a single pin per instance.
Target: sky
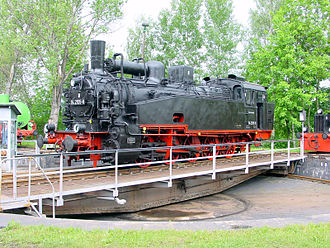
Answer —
(134, 9)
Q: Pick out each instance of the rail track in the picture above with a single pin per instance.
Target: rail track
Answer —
(309, 178)
(37, 178)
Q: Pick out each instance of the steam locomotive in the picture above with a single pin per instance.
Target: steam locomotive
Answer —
(122, 104)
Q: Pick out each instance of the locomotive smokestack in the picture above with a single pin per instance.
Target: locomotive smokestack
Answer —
(97, 55)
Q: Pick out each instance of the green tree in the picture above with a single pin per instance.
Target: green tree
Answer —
(294, 62)
(261, 20)
(58, 34)
(135, 38)
(174, 38)
(261, 25)
(201, 34)
(12, 61)
(221, 37)
(179, 39)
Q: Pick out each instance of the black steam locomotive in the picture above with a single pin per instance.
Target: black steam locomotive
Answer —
(121, 104)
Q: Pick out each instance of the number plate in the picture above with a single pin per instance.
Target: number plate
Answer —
(78, 102)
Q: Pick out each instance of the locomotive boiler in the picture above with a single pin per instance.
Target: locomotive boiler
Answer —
(122, 104)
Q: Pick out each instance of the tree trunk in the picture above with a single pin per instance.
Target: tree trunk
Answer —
(288, 128)
(57, 93)
(317, 99)
(11, 78)
(293, 134)
(55, 105)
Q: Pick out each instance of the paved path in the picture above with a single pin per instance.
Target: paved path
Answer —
(271, 202)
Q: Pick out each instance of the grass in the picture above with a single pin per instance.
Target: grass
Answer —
(312, 235)
(27, 144)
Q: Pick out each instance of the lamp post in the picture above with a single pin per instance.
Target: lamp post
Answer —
(144, 25)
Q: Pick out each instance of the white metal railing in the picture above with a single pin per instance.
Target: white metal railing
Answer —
(29, 176)
(170, 161)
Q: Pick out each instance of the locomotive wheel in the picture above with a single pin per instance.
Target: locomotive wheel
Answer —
(194, 141)
(230, 151)
(197, 155)
(174, 157)
(144, 144)
(143, 161)
(207, 151)
(231, 148)
(175, 141)
(242, 148)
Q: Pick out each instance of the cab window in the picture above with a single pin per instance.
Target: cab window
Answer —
(250, 97)
(238, 94)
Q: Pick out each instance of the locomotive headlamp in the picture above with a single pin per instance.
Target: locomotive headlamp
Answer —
(72, 82)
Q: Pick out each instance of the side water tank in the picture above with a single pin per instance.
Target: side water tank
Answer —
(25, 117)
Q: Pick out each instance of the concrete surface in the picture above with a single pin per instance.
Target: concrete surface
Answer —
(269, 201)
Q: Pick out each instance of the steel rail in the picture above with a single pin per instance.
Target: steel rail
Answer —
(309, 178)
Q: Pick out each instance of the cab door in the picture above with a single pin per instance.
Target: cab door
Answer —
(250, 109)
(260, 110)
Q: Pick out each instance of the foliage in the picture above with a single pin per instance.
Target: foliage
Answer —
(201, 34)
(312, 235)
(261, 20)
(134, 44)
(179, 38)
(260, 26)
(57, 33)
(221, 37)
(12, 60)
(294, 62)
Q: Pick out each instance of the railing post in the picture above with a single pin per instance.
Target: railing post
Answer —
(53, 205)
(37, 150)
(29, 181)
(272, 156)
(40, 205)
(171, 165)
(115, 192)
(60, 200)
(214, 161)
(36, 147)
(0, 181)
(50, 183)
(247, 158)
(14, 180)
(302, 143)
(288, 164)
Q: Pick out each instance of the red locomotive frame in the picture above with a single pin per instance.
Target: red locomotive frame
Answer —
(317, 142)
(171, 135)
(29, 130)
